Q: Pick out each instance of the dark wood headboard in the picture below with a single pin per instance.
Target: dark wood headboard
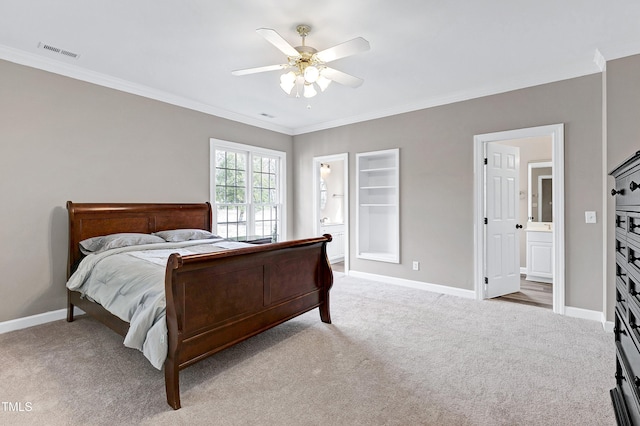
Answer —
(88, 220)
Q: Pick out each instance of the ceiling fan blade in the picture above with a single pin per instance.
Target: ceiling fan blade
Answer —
(259, 69)
(342, 50)
(276, 39)
(341, 77)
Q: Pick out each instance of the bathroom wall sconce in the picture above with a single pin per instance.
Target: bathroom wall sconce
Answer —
(325, 168)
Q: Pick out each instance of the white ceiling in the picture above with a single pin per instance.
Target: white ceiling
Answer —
(423, 52)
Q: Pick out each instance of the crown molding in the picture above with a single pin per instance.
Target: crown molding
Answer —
(562, 72)
(611, 52)
(599, 60)
(73, 71)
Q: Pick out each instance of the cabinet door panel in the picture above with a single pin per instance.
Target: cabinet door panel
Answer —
(541, 259)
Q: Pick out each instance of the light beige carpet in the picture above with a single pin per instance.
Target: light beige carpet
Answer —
(393, 356)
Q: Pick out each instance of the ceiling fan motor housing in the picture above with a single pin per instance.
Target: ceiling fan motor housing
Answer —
(305, 59)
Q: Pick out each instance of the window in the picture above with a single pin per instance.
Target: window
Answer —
(247, 191)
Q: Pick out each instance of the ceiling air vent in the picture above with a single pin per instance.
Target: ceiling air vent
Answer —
(58, 50)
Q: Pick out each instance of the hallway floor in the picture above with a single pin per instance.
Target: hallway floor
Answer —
(532, 293)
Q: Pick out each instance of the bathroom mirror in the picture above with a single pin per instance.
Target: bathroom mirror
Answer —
(540, 178)
(330, 192)
(323, 194)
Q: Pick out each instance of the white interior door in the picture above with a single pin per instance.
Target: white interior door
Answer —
(502, 212)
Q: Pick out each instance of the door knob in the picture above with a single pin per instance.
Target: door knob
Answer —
(518, 226)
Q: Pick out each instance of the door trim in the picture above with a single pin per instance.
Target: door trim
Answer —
(556, 132)
(316, 196)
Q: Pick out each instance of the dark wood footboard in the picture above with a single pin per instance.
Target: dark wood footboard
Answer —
(217, 300)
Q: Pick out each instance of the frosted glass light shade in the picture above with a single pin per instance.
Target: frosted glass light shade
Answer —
(311, 74)
(323, 82)
(309, 91)
(288, 81)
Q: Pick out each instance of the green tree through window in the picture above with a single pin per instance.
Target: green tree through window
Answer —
(239, 216)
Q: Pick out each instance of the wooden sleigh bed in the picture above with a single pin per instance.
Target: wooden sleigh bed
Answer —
(214, 300)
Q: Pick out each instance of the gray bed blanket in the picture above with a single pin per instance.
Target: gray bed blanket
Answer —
(129, 283)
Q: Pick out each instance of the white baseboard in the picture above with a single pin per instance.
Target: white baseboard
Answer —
(20, 323)
(523, 270)
(436, 288)
(470, 294)
(608, 326)
(33, 320)
(570, 311)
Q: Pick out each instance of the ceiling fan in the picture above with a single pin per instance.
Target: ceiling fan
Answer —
(306, 64)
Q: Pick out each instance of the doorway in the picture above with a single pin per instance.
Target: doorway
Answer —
(482, 255)
(331, 206)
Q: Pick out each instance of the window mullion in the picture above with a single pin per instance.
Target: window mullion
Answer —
(249, 186)
(267, 204)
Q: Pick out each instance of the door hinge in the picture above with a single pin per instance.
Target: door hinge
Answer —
(485, 161)
(486, 221)
(486, 280)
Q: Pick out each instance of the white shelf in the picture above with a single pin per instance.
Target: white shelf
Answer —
(378, 216)
(388, 257)
(379, 169)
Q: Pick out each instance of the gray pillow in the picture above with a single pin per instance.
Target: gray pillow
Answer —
(177, 235)
(107, 242)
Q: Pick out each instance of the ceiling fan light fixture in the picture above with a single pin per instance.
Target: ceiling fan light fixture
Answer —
(311, 74)
(287, 87)
(309, 90)
(288, 81)
(323, 82)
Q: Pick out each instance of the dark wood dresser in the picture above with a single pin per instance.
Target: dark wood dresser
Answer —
(626, 395)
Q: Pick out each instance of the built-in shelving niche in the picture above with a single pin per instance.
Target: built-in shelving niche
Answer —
(378, 205)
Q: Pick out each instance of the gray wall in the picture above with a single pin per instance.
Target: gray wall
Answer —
(64, 139)
(436, 179)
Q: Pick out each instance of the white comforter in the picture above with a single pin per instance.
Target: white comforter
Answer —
(129, 283)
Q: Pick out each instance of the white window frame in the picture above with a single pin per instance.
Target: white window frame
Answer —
(250, 150)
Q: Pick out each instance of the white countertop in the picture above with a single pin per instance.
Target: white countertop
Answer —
(539, 226)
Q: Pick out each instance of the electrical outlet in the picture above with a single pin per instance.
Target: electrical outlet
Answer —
(416, 265)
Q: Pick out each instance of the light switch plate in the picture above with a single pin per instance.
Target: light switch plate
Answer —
(590, 217)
